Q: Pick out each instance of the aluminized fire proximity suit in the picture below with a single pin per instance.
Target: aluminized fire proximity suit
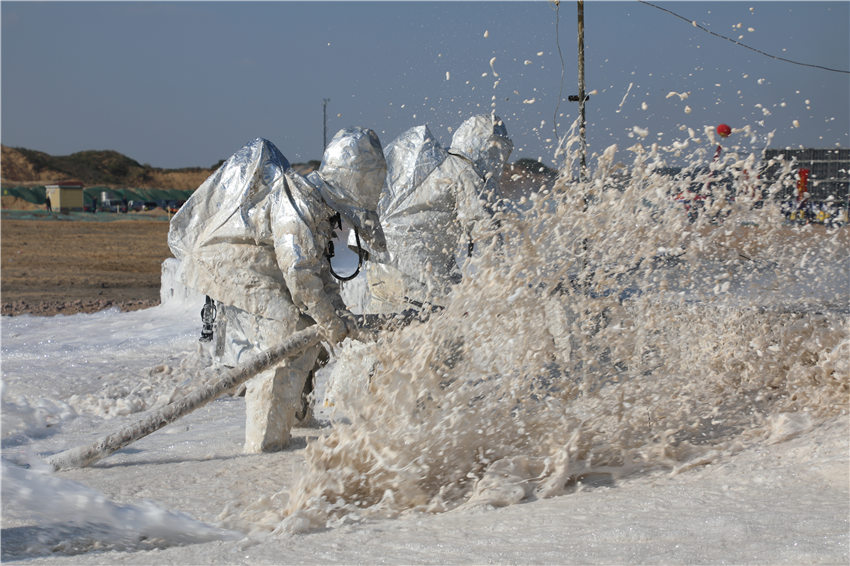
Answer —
(253, 237)
(435, 203)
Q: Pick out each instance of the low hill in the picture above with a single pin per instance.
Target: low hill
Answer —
(107, 168)
(21, 166)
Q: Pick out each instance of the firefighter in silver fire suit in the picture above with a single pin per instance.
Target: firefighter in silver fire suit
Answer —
(254, 238)
(435, 204)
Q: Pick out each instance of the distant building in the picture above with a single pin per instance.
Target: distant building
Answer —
(817, 191)
(827, 172)
(822, 190)
(65, 196)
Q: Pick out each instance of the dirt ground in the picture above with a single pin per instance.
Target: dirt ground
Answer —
(56, 265)
(62, 266)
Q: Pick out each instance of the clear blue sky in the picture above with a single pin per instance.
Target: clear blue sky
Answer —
(179, 84)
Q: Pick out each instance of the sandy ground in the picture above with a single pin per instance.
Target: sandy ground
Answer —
(68, 264)
(61, 266)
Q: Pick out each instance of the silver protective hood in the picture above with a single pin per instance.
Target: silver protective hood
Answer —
(350, 179)
(483, 139)
(253, 236)
(432, 205)
(411, 157)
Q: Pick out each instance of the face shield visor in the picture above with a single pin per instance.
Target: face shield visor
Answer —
(350, 179)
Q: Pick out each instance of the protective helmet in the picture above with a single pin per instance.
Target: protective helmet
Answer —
(350, 179)
(483, 139)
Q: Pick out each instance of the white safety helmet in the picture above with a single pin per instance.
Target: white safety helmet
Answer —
(350, 179)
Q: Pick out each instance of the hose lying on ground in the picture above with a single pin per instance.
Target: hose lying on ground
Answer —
(82, 456)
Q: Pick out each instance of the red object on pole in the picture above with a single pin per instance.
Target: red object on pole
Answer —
(723, 130)
(802, 184)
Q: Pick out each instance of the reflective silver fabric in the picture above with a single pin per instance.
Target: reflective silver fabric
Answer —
(253, 235)
(410, 159)
(350, 179)
(433, 205)
(483, 139)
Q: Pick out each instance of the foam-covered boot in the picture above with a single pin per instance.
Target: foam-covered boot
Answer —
(267, 426)
(272, 400)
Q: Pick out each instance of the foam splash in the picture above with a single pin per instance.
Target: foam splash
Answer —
(604, 334)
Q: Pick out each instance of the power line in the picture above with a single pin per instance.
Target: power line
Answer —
(736, 42)
(563, 68)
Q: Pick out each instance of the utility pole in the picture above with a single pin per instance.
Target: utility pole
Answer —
(325, 123)
(582, 99)
(582, 93)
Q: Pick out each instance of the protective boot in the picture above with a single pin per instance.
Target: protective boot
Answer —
(272, 400)
(267, 426)
(304, 417)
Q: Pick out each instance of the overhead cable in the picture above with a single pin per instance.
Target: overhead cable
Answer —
(736, 42)
(557, 4)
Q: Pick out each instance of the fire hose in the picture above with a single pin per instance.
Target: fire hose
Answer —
(82, 456)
